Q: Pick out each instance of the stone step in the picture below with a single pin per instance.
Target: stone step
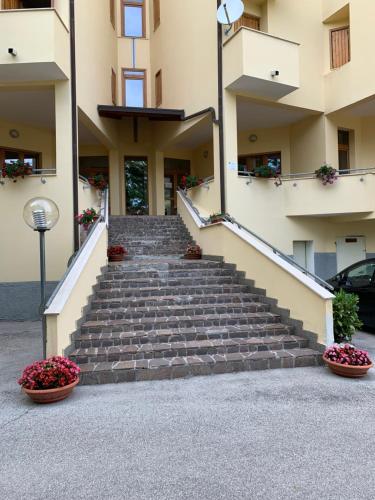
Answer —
(122, 274)
(152, 324)
(171, 282)
(184, 366)
(175, 310)
(161, 291)
(172, 300)
(176, 264)
(190, 348)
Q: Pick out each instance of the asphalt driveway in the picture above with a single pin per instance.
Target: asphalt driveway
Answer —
(281, 434)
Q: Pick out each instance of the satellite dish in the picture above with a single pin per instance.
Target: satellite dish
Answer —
(230, 11)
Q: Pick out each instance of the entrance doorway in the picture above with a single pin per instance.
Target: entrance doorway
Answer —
(350, 250)
(303, 252)
(174, 170)
(136, 185)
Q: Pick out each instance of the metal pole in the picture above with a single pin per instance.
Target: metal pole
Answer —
(43, 288)
(221, 113)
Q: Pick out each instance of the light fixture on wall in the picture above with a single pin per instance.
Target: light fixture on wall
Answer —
(14, 133)
(41, 215)
(253, 138)
(205, 154)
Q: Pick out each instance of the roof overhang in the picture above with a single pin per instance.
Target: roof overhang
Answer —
(155, 114)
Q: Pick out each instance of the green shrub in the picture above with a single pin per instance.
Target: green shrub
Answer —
(345, 316)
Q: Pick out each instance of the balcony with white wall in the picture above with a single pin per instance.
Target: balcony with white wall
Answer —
(261, 65)
(40, 41)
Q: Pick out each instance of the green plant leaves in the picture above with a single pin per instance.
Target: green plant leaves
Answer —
(345, 316)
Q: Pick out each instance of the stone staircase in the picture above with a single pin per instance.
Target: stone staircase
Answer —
(161, 317)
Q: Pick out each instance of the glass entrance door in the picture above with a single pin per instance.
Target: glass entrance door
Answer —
(136, 185)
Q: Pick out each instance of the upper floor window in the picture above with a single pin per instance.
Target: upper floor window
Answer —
(26, 4)
(134, 87)
(156, 13)
(248, 21)
(133, 18)
(9, 156)
(340, 47)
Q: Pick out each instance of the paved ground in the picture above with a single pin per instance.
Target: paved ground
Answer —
(282, 434)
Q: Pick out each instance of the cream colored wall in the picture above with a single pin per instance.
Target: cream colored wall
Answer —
(205, 198)
(308, 144)
(62, 8)
(96, 54)
(269, 140)
(88, 197)
(201, 165)
(184, 48)
(303, 303)
(60, 326)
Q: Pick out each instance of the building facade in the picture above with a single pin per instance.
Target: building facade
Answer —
(130, 89)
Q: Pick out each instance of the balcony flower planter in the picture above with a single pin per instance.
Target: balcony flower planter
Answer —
(215, 218)
(326, 174)
(347, 361)
(266, 172)
(190, 181)
(116, 253)
(87, 218)
(193, 252)
(15, 170)
(50, 380)
(98, 181)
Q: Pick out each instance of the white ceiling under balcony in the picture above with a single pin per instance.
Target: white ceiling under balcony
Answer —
(256, 115)
(34, 107)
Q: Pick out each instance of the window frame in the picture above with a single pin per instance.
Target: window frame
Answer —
(112, 13)
(19, 8)
(263, 155)
(331, 31)
(158, 88)
(141, 4)
(239, 23)
(137, 77)
(156, 9)
(114, 87)
(22, 153)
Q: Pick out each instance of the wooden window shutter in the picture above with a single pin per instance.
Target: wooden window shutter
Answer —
(248, 21)
(156, 13)
(158, 89)
(340, 47)
(114, 87)
(112, 12)
(11, 4)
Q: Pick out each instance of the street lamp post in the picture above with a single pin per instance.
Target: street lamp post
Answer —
(41, 214)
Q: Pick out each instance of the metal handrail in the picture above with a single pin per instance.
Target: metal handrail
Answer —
(275, 250)
(102, 218)
(304, 175)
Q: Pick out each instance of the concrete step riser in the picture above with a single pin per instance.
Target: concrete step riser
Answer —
(154, 274)
(187, 311)
(197, 366)
(140, 352)
(180, 291)
(173, 282)
(169, 336)
(174, 301)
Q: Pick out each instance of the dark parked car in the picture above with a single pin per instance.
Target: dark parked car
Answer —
(360, 279)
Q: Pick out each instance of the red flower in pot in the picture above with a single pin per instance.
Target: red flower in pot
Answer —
(116, 253)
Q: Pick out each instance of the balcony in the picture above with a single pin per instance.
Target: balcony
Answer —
(251, 57)
(351, 195)
(41, 41)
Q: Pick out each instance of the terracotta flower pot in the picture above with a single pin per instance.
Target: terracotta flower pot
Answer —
(192, 256)
(116, 258)
(347, 370)
(50, 395)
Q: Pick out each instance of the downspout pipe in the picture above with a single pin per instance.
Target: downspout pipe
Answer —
(221, 112)
(73, 85)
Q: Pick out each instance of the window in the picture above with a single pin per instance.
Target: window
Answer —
(156, 13)
(112, 12)
(114, 87)
(344, 149)
(133, 18)
(9, 155)
(362, 275)
(26, 4)
(158, 89)
(248, 21)
(134, 88)
(248, 163)
(340, 47)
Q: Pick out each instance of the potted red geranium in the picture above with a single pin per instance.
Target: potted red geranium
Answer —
(87, 218)
(217, 217)
(50, 380)
(116, 253)
(347, 361)
(98, 182)
(193, 252)
(16, 169)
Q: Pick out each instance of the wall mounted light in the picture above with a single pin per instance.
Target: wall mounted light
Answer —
(12, 51)
(14, 133)
(253, 138)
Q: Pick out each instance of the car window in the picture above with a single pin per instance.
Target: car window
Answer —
(361, 275)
